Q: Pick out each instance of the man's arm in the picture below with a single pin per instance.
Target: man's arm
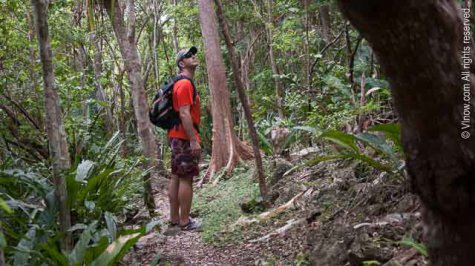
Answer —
(187, 122)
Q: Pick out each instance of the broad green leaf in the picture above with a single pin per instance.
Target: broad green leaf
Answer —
(77, 226)
(114, 249)
(76, 257)
(83, 171)
(343, 139)
(355, 156)
(4, 206)
(23, 248)
(370, 161)
(3, 241)
(111, 225)
(391, 131)
(377, 143)
(420, 247)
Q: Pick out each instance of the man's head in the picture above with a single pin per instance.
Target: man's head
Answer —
(185, 58)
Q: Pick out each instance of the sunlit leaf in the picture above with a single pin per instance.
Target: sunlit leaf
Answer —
(83, 170)
(114, 249)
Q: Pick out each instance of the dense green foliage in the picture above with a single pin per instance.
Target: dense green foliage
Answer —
(100, 194)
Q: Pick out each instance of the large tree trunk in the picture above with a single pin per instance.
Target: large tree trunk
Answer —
(58, 145)
(128, 48)
(226, 148)
(243, 98)
(422, 50)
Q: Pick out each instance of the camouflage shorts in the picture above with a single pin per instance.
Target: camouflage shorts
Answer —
(184, 164)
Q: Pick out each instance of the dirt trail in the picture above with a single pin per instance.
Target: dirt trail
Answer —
(172, 246)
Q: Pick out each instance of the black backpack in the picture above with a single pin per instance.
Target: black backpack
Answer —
(161, 112)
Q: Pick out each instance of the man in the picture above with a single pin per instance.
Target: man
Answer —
(185, 142)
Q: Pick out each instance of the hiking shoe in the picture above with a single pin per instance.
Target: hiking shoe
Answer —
(172, 229)
(191, 225)
(173, 224)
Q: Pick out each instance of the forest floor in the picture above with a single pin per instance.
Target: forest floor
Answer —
(333, 213)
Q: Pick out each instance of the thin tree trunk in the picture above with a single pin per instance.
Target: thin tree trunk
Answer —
(243, 98)
(422, 50)
(176, 44)
(350, 55)
(122, 113)
(100, 94)
(156, 39)
(275, 71)
(307, 49)
(54, 124)
(126, 39)
(33, 74)
(325, 21)
(227, 150)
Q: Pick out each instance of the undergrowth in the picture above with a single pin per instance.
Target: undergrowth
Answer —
(218, 205)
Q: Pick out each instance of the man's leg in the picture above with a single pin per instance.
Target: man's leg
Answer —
(185, 196)
(173, 187)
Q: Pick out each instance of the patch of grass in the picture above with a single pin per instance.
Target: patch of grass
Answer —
(218, 206)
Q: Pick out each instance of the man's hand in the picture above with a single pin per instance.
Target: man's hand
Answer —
(187, 122)
(195, 148)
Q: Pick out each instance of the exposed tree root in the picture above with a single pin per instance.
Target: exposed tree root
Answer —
(243, 221)
(280, 231)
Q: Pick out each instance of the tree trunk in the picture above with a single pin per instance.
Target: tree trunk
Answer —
(275, 71)
(325, 21)
(306, 49)
(422, 50)
(100, 94)
(176, 44)
(33, 75)
(226, 148)
(155, 42)
(243, 98)
(122, 113)
(128, 48)
(58, 145)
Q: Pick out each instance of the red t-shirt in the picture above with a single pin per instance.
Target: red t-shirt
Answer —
(183, 95)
